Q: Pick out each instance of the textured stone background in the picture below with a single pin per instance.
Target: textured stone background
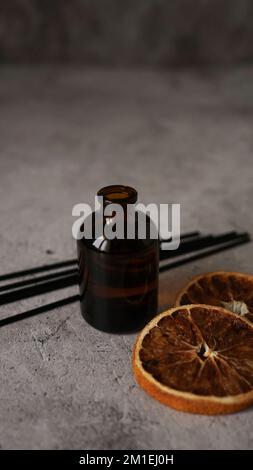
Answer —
(176, 137)
(152, 32)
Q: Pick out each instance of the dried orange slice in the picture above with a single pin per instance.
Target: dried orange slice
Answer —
(232, 291)
(197, 359)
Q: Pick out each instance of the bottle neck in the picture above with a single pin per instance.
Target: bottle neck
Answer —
(118, 194)
(124, 197)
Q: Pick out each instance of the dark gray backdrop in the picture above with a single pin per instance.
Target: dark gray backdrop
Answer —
(123, 32)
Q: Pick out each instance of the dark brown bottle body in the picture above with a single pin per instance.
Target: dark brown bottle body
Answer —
(119, 280)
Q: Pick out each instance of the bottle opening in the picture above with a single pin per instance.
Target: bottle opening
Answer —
(118, 194)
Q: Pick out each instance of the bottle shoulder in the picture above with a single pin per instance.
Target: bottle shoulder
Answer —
(144, 231)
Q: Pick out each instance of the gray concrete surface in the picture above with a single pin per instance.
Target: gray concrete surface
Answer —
(180, 137)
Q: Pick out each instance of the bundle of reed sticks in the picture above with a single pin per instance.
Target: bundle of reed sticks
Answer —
(41, 280)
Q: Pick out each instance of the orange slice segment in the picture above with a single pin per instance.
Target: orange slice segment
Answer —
(230, 290)
(197, 359)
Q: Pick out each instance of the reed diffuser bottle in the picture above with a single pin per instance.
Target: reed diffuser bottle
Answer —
(118, 277)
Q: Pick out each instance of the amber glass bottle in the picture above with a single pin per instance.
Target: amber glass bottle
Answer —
(118, 277)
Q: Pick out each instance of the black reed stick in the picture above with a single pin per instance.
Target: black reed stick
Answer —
(39, 269)
(245, 238)
(184, 236)
(187, 246)
(37, 280)
(43, 288)
(38, 310)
